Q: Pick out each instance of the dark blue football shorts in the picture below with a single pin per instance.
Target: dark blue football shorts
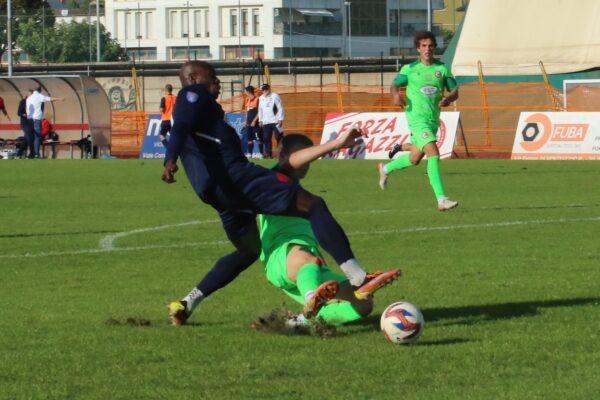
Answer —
(241, 193)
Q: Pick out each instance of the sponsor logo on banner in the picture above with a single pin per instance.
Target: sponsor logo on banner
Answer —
(152, 148)
(384, 130)
(557, 135)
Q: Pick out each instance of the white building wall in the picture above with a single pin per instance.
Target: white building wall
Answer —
(161, 26)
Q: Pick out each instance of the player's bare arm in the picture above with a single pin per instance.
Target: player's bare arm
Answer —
(347, 138)
(398, 99)
(449, 98)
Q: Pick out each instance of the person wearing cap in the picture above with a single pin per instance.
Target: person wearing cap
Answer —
(251, 132)
(270, 117)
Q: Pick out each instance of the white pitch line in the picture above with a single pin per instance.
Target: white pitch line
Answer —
(106, 243)
(224, 242)
(115, 249)
(474, 226)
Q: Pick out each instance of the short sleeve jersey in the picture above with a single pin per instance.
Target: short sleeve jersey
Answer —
(276, 230)
(425, 86)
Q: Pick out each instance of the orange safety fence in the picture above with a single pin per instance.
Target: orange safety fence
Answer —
(483, 129)
(128, 128)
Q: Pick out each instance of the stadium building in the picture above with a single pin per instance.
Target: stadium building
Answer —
(172, 30)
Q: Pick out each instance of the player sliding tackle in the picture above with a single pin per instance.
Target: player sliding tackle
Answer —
(290, 250)
(425, 79)
(222, 177)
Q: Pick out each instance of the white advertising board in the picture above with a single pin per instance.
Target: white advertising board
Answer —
(384, 129)
(557, 136)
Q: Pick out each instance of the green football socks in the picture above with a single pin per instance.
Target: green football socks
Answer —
(433, 171)
(339, 313)
(398, 164)
(307, 279)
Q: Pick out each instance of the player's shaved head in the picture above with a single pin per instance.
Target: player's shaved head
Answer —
(191, 68)
(200, 73)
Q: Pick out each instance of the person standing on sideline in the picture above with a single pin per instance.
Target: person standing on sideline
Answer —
(250, 131)
(3, 108)
(25, 127)
(426, 80)
(35, 115)
(270, 116)
(166, 109)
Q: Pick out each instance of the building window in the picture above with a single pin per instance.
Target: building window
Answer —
(237, 52)
(149, 32)
(195, 53)
(173, 24)
(185, 24)
(255, 22)
(198, 23)
(144, 53)
(233, 23)
(244, 22)
(206, 32)
(138, 25)
(368, 17)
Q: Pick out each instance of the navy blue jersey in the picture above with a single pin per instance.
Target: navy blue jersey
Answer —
(198, 115)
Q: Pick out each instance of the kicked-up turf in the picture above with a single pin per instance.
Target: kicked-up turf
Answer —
(509, 285)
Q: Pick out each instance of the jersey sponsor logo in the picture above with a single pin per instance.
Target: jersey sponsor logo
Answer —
(192, 97)
(438, 74)
(428, 90)
(425, 135)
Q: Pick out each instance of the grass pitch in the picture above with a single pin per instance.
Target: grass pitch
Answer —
(509, 284)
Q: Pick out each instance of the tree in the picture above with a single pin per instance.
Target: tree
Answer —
(22, 11)
(68, 43)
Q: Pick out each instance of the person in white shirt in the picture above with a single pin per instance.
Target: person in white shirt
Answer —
(270, 117)
(35, 115)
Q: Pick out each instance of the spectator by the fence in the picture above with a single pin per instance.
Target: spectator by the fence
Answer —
(270, 116)
(35, 114)
(251, 133)
(3, 108)
(166, 110)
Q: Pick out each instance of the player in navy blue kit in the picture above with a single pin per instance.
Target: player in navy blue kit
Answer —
(211, 154)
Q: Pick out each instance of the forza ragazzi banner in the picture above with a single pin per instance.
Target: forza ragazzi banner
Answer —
(557, 136)
(384, 130)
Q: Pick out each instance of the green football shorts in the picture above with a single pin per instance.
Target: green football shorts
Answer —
(421, 134)
(276, 269)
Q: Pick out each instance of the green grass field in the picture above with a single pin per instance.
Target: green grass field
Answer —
(509, 284)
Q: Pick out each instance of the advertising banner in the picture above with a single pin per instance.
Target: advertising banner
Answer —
(384, 129)
(557, 136)
(152, 148)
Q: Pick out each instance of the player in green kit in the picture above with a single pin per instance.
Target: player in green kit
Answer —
(291, 255)
(426, 80)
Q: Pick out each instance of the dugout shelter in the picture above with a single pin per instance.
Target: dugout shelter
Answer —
(85, 110)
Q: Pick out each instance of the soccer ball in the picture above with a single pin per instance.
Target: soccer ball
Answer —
(402, 322)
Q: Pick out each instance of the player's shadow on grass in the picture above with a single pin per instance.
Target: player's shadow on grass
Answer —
(492, 312)
(468, 315)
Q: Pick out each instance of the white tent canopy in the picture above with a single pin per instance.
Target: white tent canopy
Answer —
(511, 37)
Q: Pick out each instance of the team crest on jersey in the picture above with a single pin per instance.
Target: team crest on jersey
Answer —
(438, 74)
(192, 97)
(425, 135)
